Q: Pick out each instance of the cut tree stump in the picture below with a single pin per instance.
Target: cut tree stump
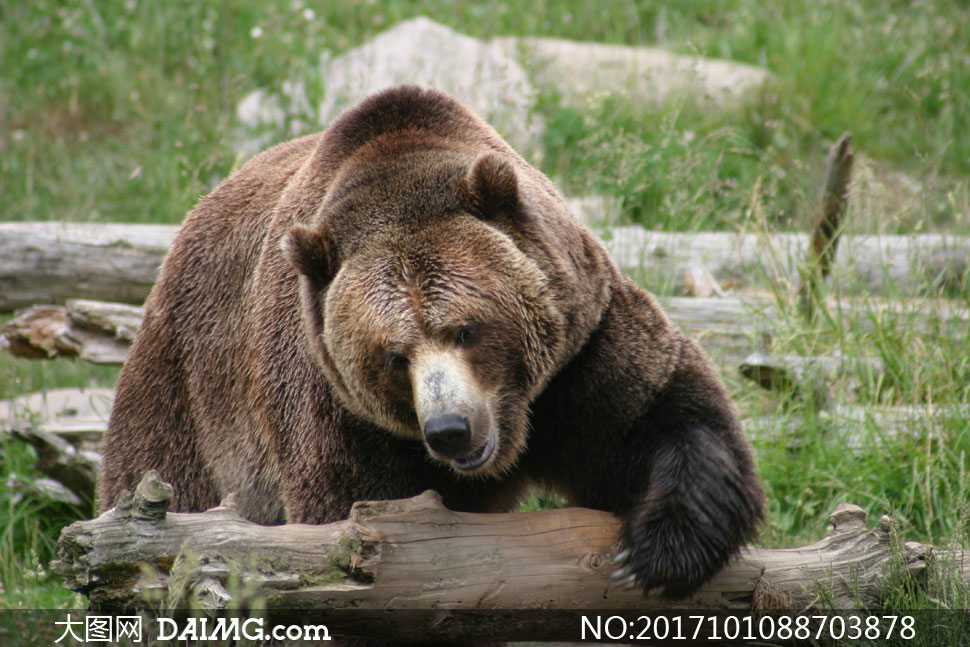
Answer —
(414, 554)
(50, 262)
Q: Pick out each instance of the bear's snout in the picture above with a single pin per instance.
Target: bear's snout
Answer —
(449, 435)
(453, 413)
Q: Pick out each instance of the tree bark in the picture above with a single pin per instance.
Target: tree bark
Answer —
(467, 572)
(50, 262)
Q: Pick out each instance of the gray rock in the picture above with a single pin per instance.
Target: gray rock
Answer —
(582, 72)
(418, 51)
(490, 78)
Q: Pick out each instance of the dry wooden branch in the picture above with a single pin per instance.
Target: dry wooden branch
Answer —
(828, 224)
(415, 554)
(50, 262)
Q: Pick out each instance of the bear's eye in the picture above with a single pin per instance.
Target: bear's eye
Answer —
(467, 335)
(395, 362)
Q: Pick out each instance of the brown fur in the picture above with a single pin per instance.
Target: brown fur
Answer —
(301, 299)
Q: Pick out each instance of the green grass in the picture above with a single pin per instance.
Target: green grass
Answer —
(124, 112)
(29, 527)
(22, 376)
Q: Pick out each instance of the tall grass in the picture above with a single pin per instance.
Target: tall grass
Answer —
(29, 526)
(124, 111)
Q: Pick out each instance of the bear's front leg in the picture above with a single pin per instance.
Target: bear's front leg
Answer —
(699, 500)
(639, 424)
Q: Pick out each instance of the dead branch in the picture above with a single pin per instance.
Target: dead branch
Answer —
(833, 198)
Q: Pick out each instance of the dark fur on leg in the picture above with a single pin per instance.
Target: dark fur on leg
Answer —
(702, 501)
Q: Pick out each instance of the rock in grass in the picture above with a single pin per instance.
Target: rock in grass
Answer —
(479, 74)
(491, 77)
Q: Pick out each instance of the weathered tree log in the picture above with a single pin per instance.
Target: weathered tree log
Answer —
(416, 555)
(66, 426)
(786, 373)
(72, 468)
(50, 262)
(872, 265)
(729, 328)
(98, 331)
(76, 415)
(860, 429)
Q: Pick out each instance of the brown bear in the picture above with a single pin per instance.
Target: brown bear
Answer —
(402, 303)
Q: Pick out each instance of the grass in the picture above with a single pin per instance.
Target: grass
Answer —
(124, 112)
(29, 527)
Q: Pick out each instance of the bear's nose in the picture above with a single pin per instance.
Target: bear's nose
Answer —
(448, 434)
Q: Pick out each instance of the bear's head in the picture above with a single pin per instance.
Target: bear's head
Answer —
(425, 313)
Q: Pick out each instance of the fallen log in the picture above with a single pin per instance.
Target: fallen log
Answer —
(729, 328)
(865, 265)
(50, 262)
(860, 429)
(77, 415)
(414, 554)
(97, 331)
(786, 373)
(66, 425)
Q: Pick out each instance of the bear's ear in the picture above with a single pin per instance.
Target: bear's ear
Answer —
(310, 251)
(490, 188)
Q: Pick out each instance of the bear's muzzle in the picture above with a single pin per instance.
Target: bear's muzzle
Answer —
(453, 413)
